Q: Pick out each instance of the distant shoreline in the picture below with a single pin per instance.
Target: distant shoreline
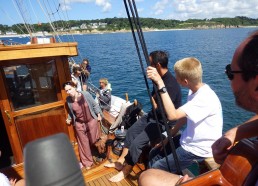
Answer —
(82, 33)
(107, 32)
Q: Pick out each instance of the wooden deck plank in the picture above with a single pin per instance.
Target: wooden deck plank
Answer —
(101, 182)
(90, 184)
(97, 171)
(106, 181)
(121, 183)
(108, 176)
(103, 175)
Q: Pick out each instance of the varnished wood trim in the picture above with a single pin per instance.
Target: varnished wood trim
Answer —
(37, 50)
(38, 108)
(59, 69)
(213, 177)
(10, 128)
(35, 46)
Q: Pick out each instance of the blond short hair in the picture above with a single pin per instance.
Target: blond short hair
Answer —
(189, 68)
(104, 80)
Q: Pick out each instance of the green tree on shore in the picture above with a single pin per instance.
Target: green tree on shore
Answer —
(117, 24)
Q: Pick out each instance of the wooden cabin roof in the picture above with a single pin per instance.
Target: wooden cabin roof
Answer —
(37, 50)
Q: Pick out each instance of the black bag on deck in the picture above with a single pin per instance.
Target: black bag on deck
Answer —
(131, 115)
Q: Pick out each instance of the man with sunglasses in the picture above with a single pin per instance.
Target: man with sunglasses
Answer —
(145, 129)
(242, 73)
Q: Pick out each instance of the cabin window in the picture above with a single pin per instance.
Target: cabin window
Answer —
(31, 84)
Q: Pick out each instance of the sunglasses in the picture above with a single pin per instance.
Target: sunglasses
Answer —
(230, 73)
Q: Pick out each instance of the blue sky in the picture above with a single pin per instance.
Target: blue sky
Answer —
(35, 11)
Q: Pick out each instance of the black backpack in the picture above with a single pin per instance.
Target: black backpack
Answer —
(131, 115)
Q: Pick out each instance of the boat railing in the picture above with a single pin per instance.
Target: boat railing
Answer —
(8, 43)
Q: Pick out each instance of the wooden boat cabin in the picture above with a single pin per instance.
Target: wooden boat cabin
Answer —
(31, 98)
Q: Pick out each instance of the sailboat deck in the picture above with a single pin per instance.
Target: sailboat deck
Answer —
(100, 175)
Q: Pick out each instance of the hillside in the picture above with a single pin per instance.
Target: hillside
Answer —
(122, 24)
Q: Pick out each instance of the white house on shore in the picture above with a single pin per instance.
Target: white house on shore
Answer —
(11, 33)
(93, 25)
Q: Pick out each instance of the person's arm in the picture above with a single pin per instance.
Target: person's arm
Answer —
(173, 131)
(154, 103)
(94, 105)
(248, 130)
(179, 123)
(74, 80)
(222, 146)
(70, 112)
(99, 117)
(172, 113)
(84, 87)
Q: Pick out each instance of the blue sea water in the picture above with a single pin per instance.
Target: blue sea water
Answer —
(114, 56)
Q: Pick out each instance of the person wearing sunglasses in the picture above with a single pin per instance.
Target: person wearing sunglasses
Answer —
(242, 73)
(145, 129)
(84, 113)
(243, 76)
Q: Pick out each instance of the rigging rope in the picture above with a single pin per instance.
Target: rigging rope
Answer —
(34, 11)
(17, 25)
(57, 10)
(137, 24)
(51, 13)
(79, 53)
(19, 11)
(49, 20)
(63, 27)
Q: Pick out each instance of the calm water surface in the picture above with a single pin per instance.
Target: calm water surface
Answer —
(114, 56)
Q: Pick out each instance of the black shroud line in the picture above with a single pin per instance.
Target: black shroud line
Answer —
(137, 25)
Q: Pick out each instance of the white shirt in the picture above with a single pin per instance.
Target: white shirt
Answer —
(204, 121)
(79, 84)
(4, 180)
